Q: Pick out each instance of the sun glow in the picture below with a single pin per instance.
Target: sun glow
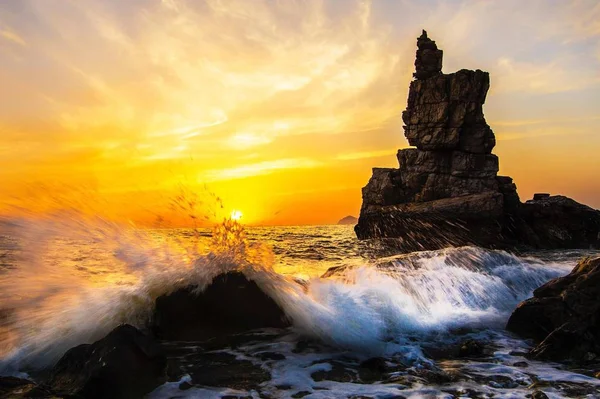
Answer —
(236, 215)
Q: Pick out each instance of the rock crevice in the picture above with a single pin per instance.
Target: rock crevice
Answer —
(447, 190)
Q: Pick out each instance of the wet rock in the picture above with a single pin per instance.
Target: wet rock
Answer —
(560, 222)
(231, 303)
(124, 364)
(472, 348)
(222, 369)
(433, 376)
(301, 394)
(520, 364)
(469, 393)
(305, 346)
(13, 387)
(339, 372)
(537, 317)
(539, 395)
(373, 369)
(564, 315)
(271, 356)
(446, 191)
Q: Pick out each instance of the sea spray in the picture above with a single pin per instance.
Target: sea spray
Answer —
(76, 278)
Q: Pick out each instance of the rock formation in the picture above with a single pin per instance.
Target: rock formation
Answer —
(564, 316)
(124, 364)
(230, 304)
(447, 191)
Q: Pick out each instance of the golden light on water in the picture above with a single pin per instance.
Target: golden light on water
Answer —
(236, 215)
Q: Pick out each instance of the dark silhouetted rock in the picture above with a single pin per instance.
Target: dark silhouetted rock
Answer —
(560, 222)
(124, 364)
(539, 395)
(13, 387)
(563, 316)
(231, 303)
(540, 196)
(428, 61)
(446, 191)
(348, 220)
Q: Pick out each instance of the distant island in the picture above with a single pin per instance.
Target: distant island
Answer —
(348, 220)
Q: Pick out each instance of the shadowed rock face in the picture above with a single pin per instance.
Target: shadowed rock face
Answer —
(124, 364)
(446, 191)
(564, 316)
(230, 304)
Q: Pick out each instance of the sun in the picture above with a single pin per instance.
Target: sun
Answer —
(236, 215)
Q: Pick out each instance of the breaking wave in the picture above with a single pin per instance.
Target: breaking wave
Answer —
(69, 280)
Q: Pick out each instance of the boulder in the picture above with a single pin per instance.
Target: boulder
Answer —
(124, 364)
(561, 222)
(13, 387)
(563, 316)
(445, 181)
(231, 303)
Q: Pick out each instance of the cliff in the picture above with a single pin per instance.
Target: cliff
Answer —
(446, 191)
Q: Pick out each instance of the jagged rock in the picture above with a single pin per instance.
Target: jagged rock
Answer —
(13, 387)
(428, 61)
(124, 364)
(540, 196)
(465, 220)
(563, 315)
(445, 112)
(230, 304)
(446, 191)
(560, 222)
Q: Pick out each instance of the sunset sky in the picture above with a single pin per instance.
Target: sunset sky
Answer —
(281, 108)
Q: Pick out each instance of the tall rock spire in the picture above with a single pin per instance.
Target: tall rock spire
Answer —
(428, 62)
(446, 190)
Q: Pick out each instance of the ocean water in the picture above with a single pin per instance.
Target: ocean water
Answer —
(67, 280)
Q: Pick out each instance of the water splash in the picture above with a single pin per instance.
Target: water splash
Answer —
(75, 278)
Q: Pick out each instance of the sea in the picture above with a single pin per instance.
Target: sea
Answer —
(67, 280)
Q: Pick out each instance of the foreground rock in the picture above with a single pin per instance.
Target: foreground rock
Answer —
(564, 316)
(230, 304)
(13, 387)
(124, 364)
(447, 191)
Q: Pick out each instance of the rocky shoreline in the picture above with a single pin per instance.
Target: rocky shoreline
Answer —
(446, 191)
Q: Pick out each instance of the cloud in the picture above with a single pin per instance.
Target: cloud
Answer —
(198, 88)
(365, 154)
(256, 169)
(12, 36)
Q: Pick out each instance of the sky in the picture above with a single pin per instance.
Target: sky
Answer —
(149, 110)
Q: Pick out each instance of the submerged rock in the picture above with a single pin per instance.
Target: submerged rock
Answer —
(124, 364)
(563, 316)
(446, 191)
(231, 303)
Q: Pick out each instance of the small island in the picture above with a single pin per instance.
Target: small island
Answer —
(348, 220)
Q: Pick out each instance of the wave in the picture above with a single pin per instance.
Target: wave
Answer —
(75, 279)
